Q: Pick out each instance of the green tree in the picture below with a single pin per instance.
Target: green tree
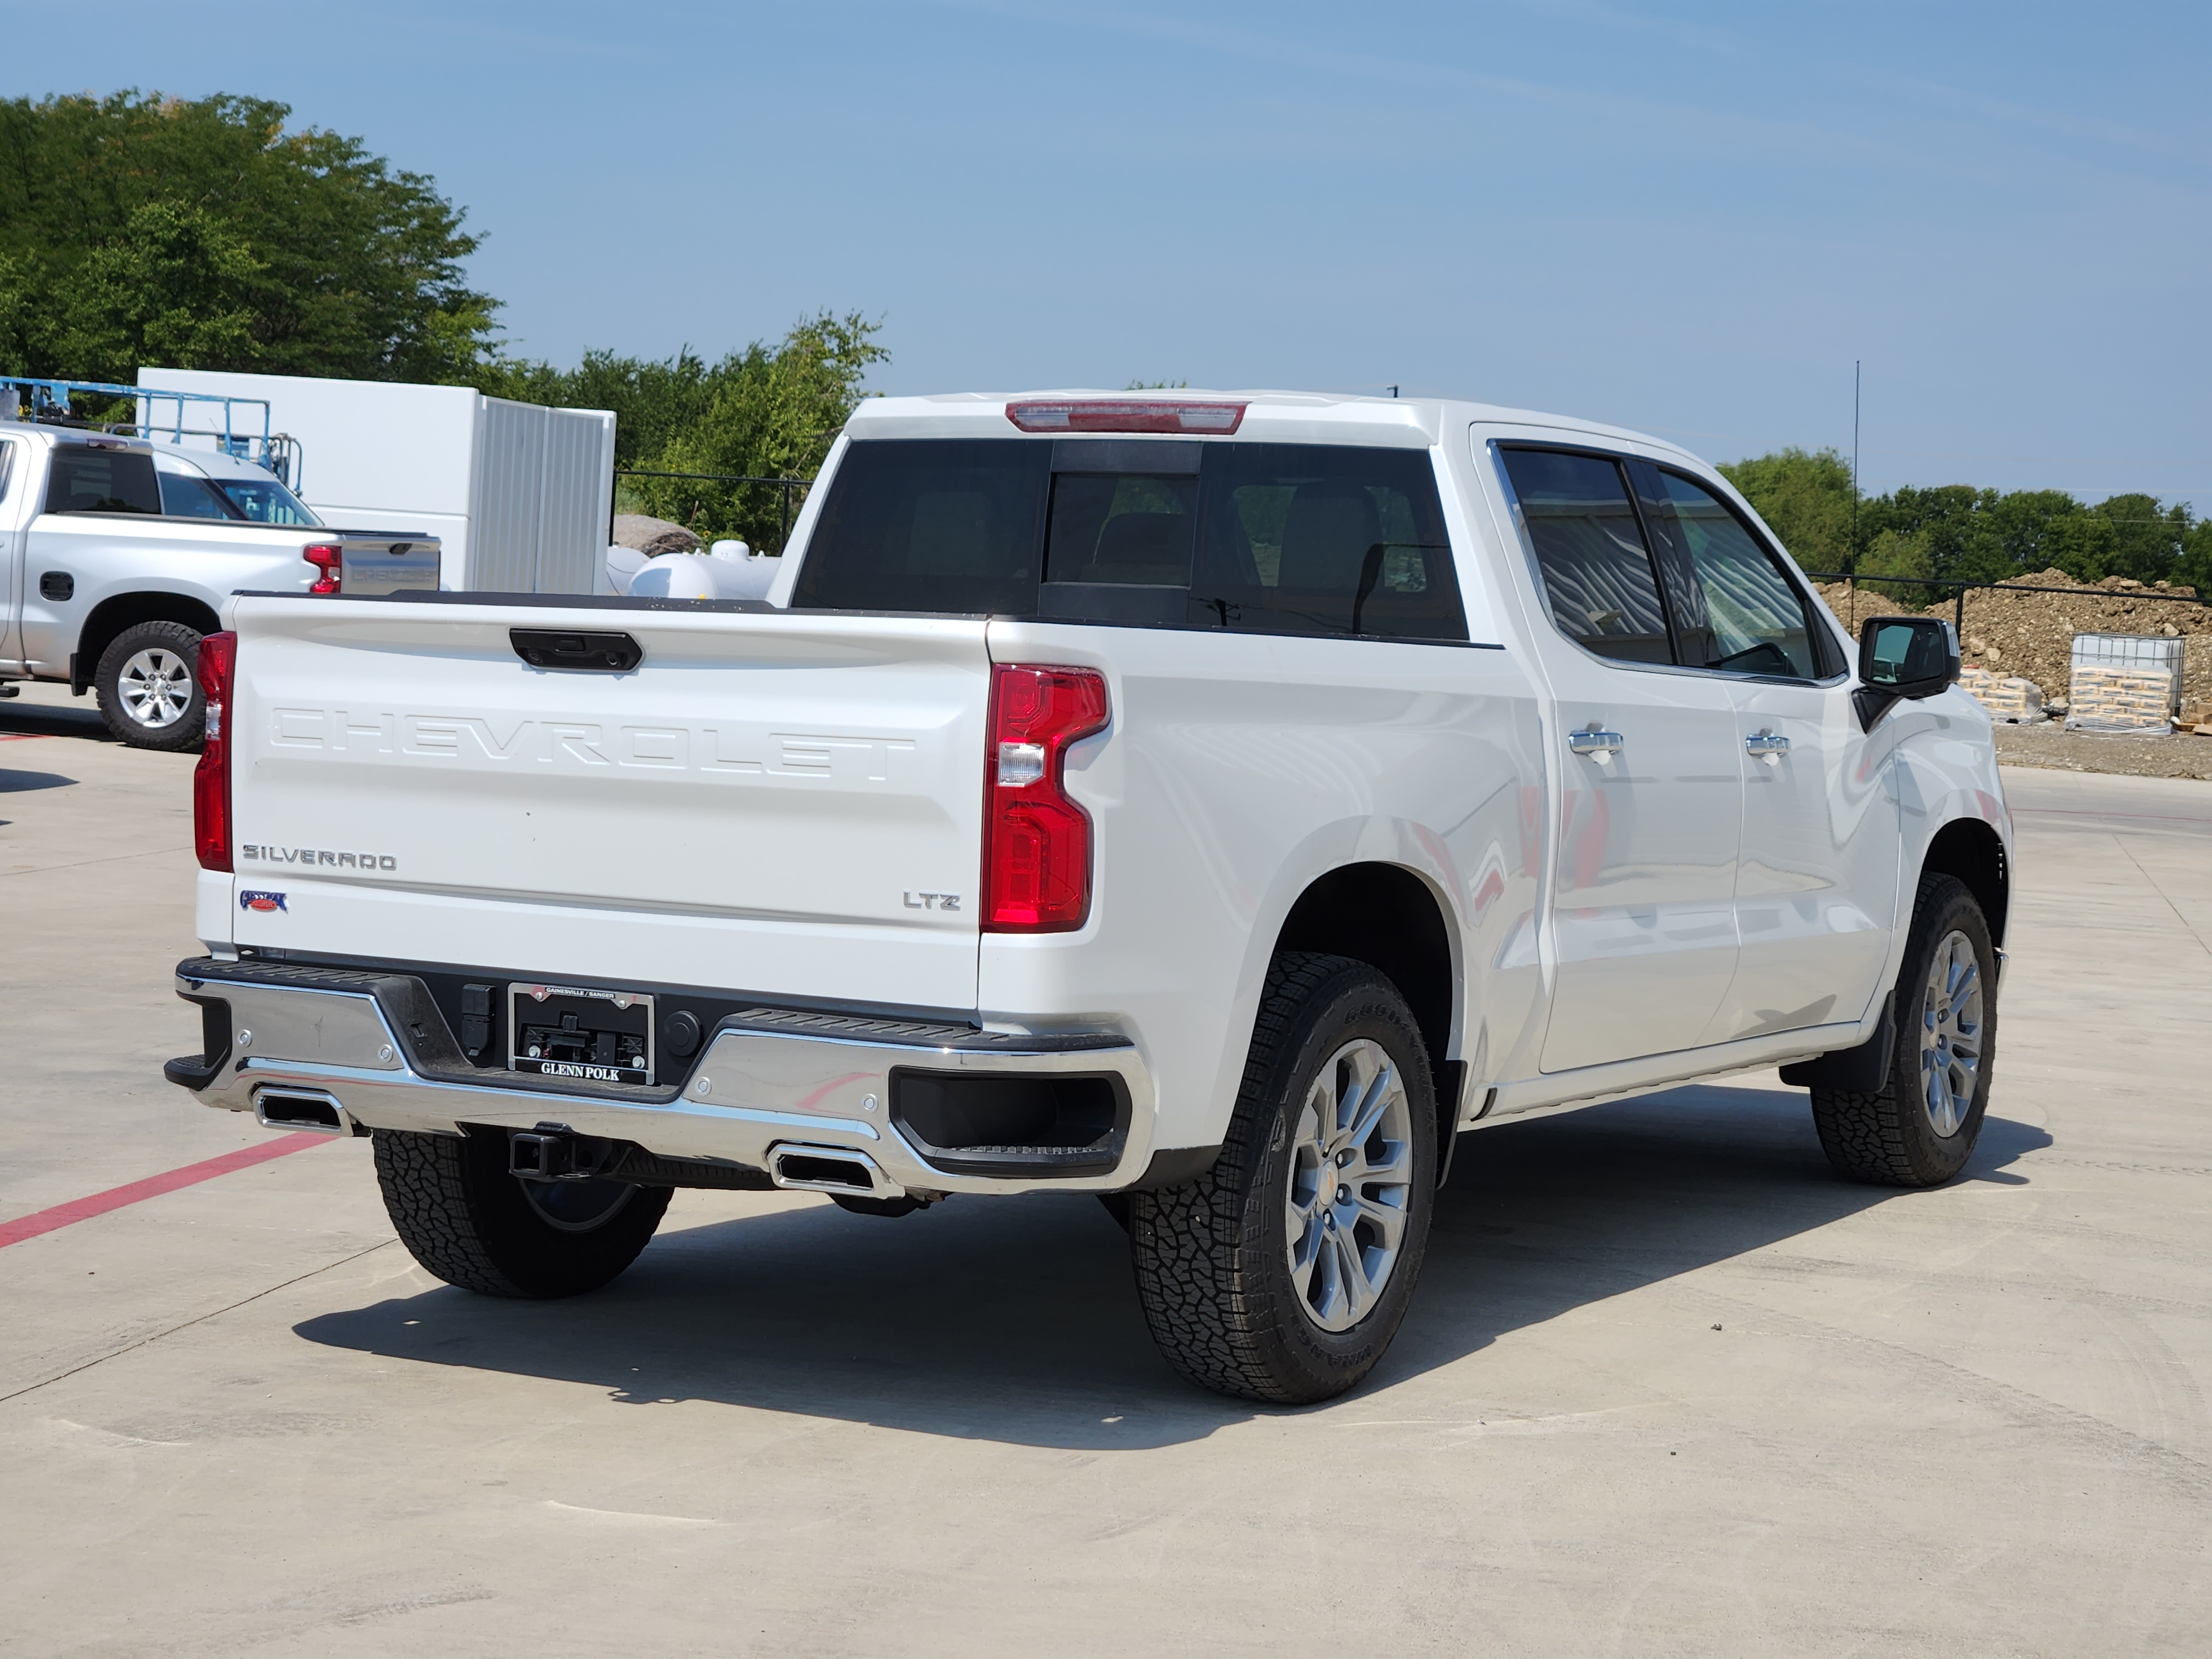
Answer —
(1806, 499)
(2031, 531)
(1893, 553)
(2146, 539)
(768, 412)
(136, 229)
(2194, 567)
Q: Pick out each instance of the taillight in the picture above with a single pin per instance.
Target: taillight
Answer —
(1125, 415)
(330, 559)
(1037, 841)
(211, 777)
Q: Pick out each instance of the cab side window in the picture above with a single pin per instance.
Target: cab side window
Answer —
(1736, 612)
(1599, 580)
(83, 479)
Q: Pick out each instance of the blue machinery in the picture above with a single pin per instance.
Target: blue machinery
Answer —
(160, 417)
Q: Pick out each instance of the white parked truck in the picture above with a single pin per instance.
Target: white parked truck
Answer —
(116, 555)
(1215, 802)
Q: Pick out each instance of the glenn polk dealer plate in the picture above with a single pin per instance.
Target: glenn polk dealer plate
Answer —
(594, 1036)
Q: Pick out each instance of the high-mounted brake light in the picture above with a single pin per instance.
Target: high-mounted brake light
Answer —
(211, 777)
(1127, 414)
(330, 559)
(1037, 841)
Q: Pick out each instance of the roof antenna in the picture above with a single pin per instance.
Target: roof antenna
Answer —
(1393, 389)
(1855, 463)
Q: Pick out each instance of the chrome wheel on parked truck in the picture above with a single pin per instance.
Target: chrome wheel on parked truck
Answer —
(150, 696)
(1283, 1273)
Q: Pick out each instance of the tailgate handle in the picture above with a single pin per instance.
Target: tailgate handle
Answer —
(576, 650)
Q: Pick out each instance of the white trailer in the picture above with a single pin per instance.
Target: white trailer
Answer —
(520, 494)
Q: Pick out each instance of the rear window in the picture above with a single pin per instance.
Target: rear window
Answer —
(87, 480)
(931, 525)
(1276, 538)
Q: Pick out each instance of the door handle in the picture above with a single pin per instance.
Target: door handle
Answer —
(1595, 741)
(1768, 745)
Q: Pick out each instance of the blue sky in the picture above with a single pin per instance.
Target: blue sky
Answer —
(1689, 218)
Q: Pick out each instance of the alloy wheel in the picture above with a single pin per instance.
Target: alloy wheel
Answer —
(1951, 1033)
(156, 687)
(1350, 1185)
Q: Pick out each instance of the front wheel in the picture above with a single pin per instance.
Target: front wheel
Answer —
(1919, 1128)
(1283, 1273)
(464, 1216)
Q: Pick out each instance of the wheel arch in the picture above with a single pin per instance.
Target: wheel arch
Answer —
(1391, 918)
(1973, 853)
(118, 612)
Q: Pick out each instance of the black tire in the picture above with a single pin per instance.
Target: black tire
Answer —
(168, 641)
(466, 1219)
(1888, 1137)
(1213, 1256)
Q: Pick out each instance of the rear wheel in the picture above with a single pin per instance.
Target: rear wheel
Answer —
(1283, 1273)
(1919, 1128)
(149, 684)
(465, 1219)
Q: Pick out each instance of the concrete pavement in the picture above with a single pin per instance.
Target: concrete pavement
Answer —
(1668, 1387)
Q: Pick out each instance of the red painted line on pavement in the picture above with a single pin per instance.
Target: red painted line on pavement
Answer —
(137, 1192)
(22, 737)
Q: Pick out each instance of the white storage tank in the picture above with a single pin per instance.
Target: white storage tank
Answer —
(519, 494)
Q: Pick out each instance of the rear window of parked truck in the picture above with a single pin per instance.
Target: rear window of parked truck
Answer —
(1275, 538)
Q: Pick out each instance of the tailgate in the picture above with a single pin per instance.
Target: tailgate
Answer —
(376, 563)
(780, 804)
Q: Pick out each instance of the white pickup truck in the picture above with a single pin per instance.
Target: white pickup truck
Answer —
(117, 554)
(1212, 803)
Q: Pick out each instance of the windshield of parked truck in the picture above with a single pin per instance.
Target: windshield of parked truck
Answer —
(1254, 538)
(265, 500)
(185, 496)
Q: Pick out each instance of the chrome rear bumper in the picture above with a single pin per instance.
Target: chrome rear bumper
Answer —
(821, 1081)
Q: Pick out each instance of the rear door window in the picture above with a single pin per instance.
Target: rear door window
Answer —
(1599, 580)
(88, 480)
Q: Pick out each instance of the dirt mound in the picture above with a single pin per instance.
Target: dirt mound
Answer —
(2032, 635)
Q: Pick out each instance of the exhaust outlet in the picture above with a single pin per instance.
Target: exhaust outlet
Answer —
(296, 1109)
(831, 1170)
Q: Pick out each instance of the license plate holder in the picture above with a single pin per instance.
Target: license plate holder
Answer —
(579, 1034)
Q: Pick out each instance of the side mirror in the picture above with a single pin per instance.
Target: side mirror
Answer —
(1903, 658)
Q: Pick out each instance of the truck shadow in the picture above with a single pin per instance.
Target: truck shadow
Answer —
(1015, 1320)
(13, 782)
(44, 720)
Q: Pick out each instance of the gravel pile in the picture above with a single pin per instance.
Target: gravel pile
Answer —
(2032, 635)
